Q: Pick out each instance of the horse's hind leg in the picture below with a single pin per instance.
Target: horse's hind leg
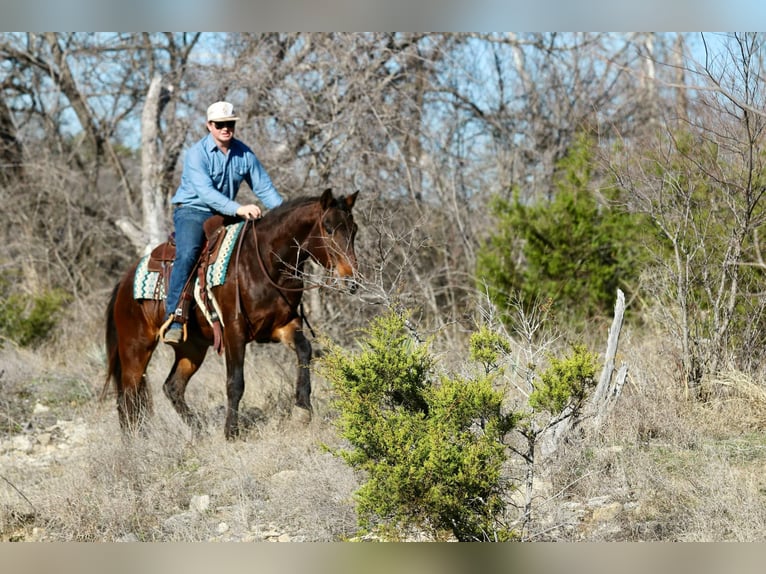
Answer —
(189, 358)
(130, 344)
(134, 400)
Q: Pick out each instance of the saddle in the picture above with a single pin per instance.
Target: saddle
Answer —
(161, 258)
(161, 261)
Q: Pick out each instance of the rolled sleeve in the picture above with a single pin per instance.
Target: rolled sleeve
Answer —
(262, 186)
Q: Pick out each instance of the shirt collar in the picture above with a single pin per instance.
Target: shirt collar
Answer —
(209, 143)
(210, 146)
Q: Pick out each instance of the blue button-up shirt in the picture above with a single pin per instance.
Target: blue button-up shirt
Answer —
(211, 179)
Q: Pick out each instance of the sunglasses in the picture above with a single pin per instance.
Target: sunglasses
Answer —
(221, 125)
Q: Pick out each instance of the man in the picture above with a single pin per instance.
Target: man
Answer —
(214, 168)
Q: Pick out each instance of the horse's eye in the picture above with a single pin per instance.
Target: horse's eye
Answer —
(328, 227)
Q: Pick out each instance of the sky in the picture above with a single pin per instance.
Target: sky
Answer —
(382, 15)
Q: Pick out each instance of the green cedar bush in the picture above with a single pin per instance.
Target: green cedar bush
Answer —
(565, 382)
(488, 347)
(431, 447)
(575, 248)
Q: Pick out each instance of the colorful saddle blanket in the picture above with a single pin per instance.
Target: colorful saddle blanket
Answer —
(148, 284)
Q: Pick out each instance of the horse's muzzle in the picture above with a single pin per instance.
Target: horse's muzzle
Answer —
(347, 274)
(348, 284)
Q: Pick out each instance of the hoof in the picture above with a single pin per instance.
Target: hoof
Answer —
(301, 415)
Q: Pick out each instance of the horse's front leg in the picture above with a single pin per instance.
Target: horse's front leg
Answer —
(303, 384)
(235, 385)
(292, 336)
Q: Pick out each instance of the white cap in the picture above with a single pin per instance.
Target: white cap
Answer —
(221, 112)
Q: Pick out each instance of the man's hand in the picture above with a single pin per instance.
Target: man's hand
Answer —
(249, 212)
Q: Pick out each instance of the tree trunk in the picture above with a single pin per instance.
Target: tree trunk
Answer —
(604, 396)
(11, 163)
(606, 392)
(153, 201)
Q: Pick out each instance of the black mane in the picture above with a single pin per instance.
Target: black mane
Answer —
(292, 204)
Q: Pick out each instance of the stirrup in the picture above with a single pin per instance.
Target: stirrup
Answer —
(171, 338)
(164, 329)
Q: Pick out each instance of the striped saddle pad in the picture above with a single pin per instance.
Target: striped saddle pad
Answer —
(148, 285)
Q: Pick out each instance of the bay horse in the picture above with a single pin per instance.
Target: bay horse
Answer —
(259, 301)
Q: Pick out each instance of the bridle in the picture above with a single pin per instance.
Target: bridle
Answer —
(282, 289)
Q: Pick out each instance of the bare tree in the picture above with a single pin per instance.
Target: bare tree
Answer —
(426, 126)
(70, 99)
(701, 183)
(11, 161)
(154, 196)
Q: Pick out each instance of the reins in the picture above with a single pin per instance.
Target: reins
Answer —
(266, 273)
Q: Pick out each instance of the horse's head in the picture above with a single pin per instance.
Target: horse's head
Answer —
(337, 230)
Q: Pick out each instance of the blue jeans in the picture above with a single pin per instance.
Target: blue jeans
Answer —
(190, 236)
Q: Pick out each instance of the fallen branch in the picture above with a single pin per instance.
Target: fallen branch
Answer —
(21, 494)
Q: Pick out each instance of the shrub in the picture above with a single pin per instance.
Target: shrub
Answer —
(575, 248)
(565, 382)
(431, 447)
(28, 320)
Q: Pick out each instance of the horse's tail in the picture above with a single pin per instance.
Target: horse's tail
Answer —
(114, 367)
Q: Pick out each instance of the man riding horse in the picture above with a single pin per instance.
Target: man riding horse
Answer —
(214, 169)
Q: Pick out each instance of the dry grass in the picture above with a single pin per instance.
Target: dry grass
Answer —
(166, 488)
(677, 470)
(67, 475)
(661, 468)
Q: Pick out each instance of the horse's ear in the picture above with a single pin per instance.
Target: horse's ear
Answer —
(351, 199)
(326, 199)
